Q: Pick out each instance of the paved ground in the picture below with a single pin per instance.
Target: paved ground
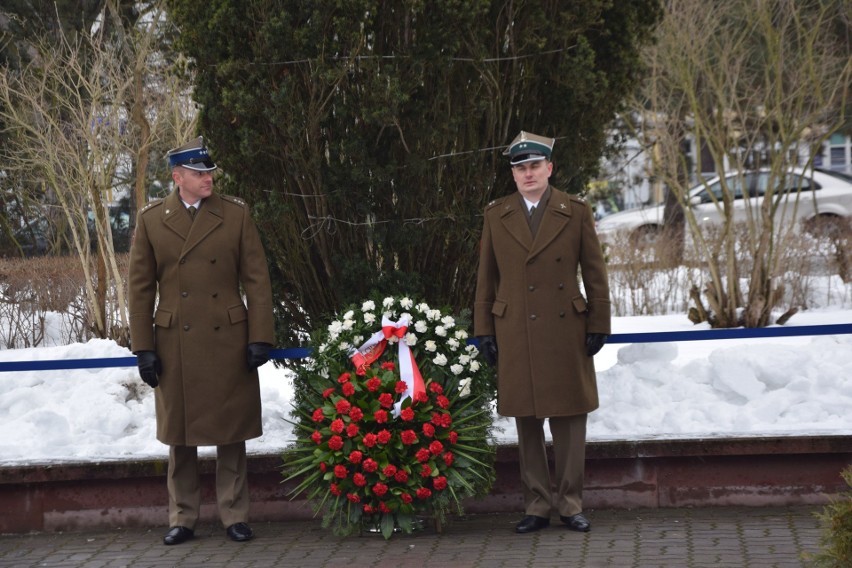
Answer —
(689, 538)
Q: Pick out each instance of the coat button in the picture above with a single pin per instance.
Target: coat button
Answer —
(212, 261)
(562, 314)
(183, 261)
(561, 285)
(215, 294)
(216, 328)
(532, 288)
(184, 294)
(186, 328)
(559, 259)
(532, 317)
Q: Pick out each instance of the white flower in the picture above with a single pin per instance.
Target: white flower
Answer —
(347, 324)
(448, 321)
(368, 306)
(433, 315)
(456, 369)
(440, 331)
(464, 359)
(472, 350)
(344, 346)
(323, 347)
(422, 307)
(358, 339)
(421, 327)
(464, 387)
(461, 334)
(349, 315)
(406, 303)
(387, 302)
(335, 327)
(453, 343)
(405, 316)
(369, 318)
(410, 339)
(440, 359)
(431, 346)
(474, 365)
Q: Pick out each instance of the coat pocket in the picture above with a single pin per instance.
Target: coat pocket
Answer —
(162, 318)
(499, 308)
(237, 313)
(580, 305)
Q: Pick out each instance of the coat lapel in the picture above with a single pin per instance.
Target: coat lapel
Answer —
(557, 214)
(175, 216)
(206, 220)
(514, 219)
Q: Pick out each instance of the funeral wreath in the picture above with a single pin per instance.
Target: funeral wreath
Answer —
(393, 417)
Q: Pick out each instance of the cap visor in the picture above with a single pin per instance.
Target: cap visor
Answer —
(205, 166)
(523, 158)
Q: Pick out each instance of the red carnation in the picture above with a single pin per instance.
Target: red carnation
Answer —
(401, 476)
(380, 489)
(335, 443)
(352, 430)
(328, 392)
(422, 455)
(369, 509)
(383, 507)
(344, 378)
(386, 400)
(406, 498)
(316, 437)
(383, 436)
(454, 437)
(389, 471)
(448, 458)
(323, 467)
(408, 437)
(342, 406)
(340, 472)
(436, 447)
(443, 401)
(436, 388)
(381, 416)
(370, 465)
(421, 396)
(356, 414)
(337, 426)
(318, 415)
(388, 366)
(446, 420)
(348, 389)
(353, 498)
(369, 440)
(428, 430)
(425, 470)
(359, 479)
(407, 414)
(423, 493)
(355, 457)
(374, 384)
(439, 483)
(436, 419)
(400, 387)
(335, 490)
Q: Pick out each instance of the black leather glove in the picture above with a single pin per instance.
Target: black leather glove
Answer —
(594, 343)
(258, 354)
(149, 367)
(488, 348)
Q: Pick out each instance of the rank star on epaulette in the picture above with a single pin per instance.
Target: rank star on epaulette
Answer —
(562, 206)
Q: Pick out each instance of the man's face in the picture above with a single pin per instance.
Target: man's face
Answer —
(532, 178)
(194, 185)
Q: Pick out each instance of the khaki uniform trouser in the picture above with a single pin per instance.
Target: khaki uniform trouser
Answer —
(232, 494)
(569, 449)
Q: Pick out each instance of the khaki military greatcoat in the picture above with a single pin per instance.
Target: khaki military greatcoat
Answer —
(528, 295)
(186, 284)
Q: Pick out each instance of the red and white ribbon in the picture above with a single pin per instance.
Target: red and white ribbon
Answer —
(373, 348)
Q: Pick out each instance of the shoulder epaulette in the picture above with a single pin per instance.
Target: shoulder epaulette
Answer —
(238, 200)
(151, 205)
(497, 201)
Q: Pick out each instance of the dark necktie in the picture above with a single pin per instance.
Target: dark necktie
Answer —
(192, 211)
(532, 210)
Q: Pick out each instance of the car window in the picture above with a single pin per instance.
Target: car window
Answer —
(789, 183)
(735, 184)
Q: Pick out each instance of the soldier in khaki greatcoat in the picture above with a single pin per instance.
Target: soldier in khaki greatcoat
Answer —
(529, 303)
(195, 255)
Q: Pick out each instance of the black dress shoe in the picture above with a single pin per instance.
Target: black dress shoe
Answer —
(531, 523)
(240, 532)
(577, 522)
(177, 535)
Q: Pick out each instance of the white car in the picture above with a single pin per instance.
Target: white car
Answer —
(823, 197)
